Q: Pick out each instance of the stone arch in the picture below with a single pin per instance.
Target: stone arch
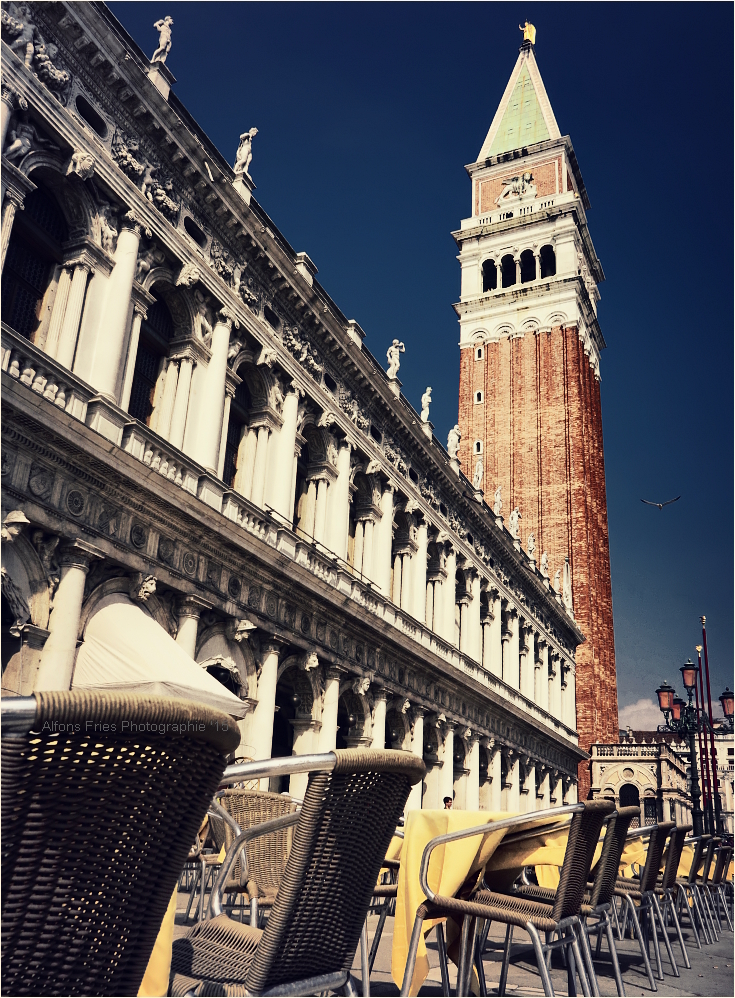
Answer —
(75, 201)
(305, 684)
(26, 573)
(215, 648)
(504, 329)
(121, 585)
(177, 300)
(257, 377)
(396, 720)
(556, 319)
(359, 706)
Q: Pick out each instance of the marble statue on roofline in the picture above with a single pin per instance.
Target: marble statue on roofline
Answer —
(163, 27)
(531, 546)
(455, 435)
(244, 154)
(513, 524)
(425, 403)
(394, 358)
(545, 565)
(477, 478)
(498, 501)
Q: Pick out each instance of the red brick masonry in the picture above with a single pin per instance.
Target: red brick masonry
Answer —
(541, 427)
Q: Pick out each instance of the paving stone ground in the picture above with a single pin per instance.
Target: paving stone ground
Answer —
(712, 972)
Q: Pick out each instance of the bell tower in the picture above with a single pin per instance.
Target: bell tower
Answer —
(529, 390)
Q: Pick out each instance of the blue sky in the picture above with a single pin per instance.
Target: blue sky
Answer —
(367, 114)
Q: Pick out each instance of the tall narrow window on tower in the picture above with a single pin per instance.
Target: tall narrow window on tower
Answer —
(489, 276)
(548, 262)
(528, 266)
(508, 267)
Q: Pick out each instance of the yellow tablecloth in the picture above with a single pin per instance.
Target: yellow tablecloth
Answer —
(451, 865)
(155, 980)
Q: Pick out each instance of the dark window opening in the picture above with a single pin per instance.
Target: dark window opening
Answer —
(413, 476)
(548, 262)
(376, 434)
(528, 267)
(442, 509)
(90, 115)
(239, 409)
(508, 269)
(330, 382)
(194, 231)
(156, 330)
(33, 252)
(270, 317)
(489, 276)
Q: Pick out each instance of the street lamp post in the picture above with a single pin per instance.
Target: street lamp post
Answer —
(682, 718)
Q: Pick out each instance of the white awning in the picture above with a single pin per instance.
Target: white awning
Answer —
(126, 650)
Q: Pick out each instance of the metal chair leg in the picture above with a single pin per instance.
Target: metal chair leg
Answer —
(506, 959)
(651, 922)
(570, 964)
(669, 903)
(480, 968)
(540, 960)
(378, 934)
(413, 948)
(464, 975)
(630, 910)
(696, 908)
(614, 957)
(722, 896)
(580, 964)
(364, 968)
(441, 946)
(584, 946)
(667, 941)
(192, 893)
(679, 892)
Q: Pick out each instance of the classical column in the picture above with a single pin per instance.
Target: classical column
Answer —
(472, 800)
(555, 685)
(495, 767)
(229, 392)
(320, 511)
(59, 652)
(531, 802)
(262, 726)
(449, 592)
(283, 456)
(339, 503)
(246, 461)
(212, 388)
(419, 563)
(543, 778)
(383, 554)
(518, 270)
(406, 592)
(73, 314)
(139, 313)
(13, 201)
(367, 550)
(513, 781)
(475, 648)
(397, 563)
(429, 610)
(181, 404)
(161, 418)
(417, 747)
(492, 648)
(537, 258)
(330, 707)
(305, 734)
(465, 632)
(529, 661)
(110, 340)
(380, 700)
(511, 664)
(439, 598)
(57, 315)
(569, 699)
(259, 467)
(447, 773)
(542, 675)
(570, 792)
(9, 100)
(358, 548)
(188, 611)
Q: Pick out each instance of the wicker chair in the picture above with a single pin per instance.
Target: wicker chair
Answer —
(561, 917)
(716, 886)
(266, 855)
(352, 803)
(101, 797)
(704, 882)
(644, 892)
(704, 847)
(664, 889)
(597, 901)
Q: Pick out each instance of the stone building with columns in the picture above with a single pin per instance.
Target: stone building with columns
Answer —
(191, 424)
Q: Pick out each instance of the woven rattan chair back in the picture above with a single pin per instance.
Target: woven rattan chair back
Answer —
(606, 871)
(724, 855)
(346, 823)
(100, 805)
(701, 844)
(267, 854)
(584, 833)
(672, 857)
(654, 854)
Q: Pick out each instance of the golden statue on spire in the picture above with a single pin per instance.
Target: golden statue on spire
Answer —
(529, 32)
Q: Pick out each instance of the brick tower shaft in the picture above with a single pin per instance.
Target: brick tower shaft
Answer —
(529, 393)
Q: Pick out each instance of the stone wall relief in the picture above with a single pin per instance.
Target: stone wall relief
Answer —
(19, 30)
(28, 581)
(24, 137)
(145, 172)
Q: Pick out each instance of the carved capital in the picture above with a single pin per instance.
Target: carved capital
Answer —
(77, 554)
(12, 98)
(192, 606)
(226, 317)
(132, 221)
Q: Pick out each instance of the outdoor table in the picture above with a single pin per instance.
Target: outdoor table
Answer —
(541, 842)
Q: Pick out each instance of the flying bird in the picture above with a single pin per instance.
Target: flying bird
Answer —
(660, 504)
